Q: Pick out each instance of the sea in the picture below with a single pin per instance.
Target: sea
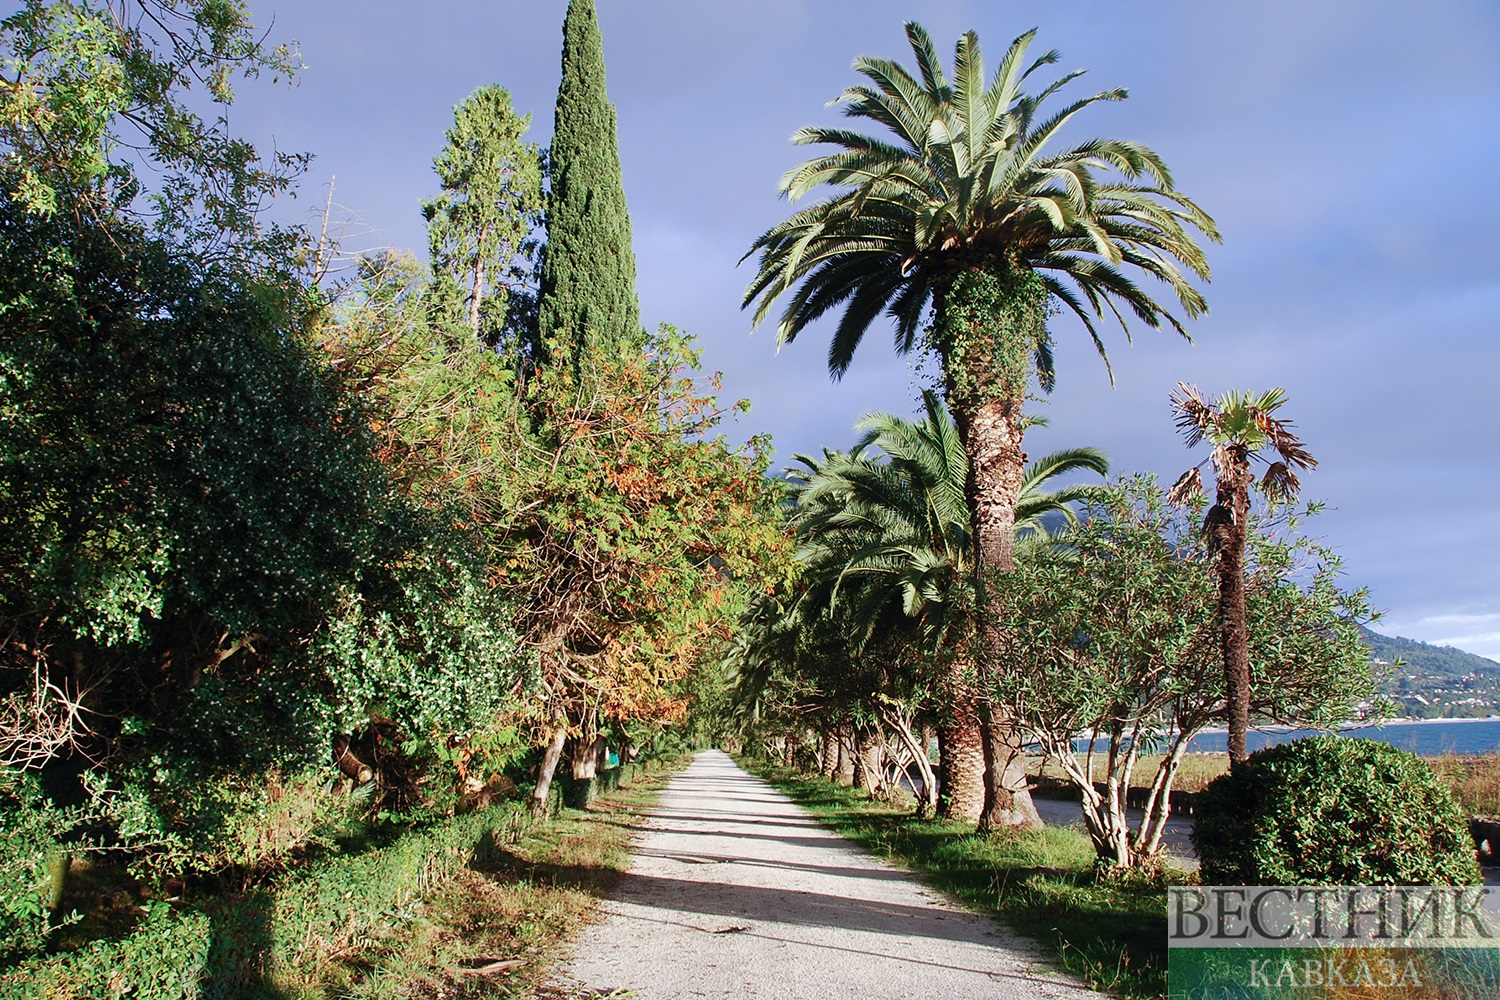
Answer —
(1427, 738)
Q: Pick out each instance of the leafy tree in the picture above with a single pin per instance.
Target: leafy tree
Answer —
(207, 571)
(1239, 425)
(479, 228)
(636, 536)
(970, 210)
(1111, 634)
(190, 496)
(94, 109)
(588, 264)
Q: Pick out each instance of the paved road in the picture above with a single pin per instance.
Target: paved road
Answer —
(735, 891)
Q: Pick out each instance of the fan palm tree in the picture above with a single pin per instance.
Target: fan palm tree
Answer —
(1241, 426)
(888, 537)
(965, 206)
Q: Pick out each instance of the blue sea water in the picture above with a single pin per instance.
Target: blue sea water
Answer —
(1464, 737)
(1429, 739)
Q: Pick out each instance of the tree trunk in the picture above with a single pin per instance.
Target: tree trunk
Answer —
(828, 766)
(476, 294)
(789, 756)
(927, 795)
(997, 463)
(990, 321)
(992, 437)
(862, 776)
(845, 774)
(1007, 801)
(961, 750)
(1227, 523)
(587, 755)
(867, 757)
(873, 761)
(547, 769)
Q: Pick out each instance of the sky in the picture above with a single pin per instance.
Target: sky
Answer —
(1345, 148)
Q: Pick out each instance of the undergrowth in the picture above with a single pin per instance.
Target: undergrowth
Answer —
(473, 906)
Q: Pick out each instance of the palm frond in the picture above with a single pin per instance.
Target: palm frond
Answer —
(972, 180)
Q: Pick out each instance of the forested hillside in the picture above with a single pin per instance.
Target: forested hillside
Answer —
(1435, 682)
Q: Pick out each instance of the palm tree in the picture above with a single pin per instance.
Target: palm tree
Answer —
(889, 539)
(968, 210)
(1240, 426)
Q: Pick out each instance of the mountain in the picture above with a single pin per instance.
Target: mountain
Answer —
(1434, 682)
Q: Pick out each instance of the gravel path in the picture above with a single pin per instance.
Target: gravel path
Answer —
(734, 891)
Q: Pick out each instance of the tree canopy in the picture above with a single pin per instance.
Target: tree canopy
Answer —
(480, 228)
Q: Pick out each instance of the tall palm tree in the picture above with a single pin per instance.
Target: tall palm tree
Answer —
(1241, 426)
(966, 207)
(887, 536)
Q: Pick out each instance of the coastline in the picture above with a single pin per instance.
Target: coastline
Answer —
(1348, 726)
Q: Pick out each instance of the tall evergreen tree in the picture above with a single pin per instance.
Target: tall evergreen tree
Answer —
(588, 264)
(479, 227)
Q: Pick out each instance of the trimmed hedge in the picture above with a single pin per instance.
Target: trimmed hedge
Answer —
(1332, 811)
(236, 946)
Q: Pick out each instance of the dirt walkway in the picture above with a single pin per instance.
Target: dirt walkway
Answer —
(734, 891)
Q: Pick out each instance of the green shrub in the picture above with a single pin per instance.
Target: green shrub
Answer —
(33, 863)
(1332, 811)
(162, 959)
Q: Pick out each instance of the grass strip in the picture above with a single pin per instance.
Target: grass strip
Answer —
(497, 928)
(1042, 883)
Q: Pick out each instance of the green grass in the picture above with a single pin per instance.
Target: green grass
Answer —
(519, 901)
(1113, 933)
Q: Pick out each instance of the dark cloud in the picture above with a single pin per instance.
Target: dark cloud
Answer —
(1345, 147)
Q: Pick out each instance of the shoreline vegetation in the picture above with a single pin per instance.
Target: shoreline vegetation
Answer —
(1473, 778)
(1353, 724)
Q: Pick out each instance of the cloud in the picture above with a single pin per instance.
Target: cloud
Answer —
(1345, 147)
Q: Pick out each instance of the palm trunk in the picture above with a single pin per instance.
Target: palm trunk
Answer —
(1228, 528)
(989, 322)
(845, 775)
(862, 776)
(961, 755)
(997, 463)
(828, 766)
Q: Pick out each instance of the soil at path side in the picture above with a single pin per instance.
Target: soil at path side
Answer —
(734, 891)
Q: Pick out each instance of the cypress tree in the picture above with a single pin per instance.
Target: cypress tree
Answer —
(588, 265)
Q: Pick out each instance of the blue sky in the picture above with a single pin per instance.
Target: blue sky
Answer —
(1346, 149)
